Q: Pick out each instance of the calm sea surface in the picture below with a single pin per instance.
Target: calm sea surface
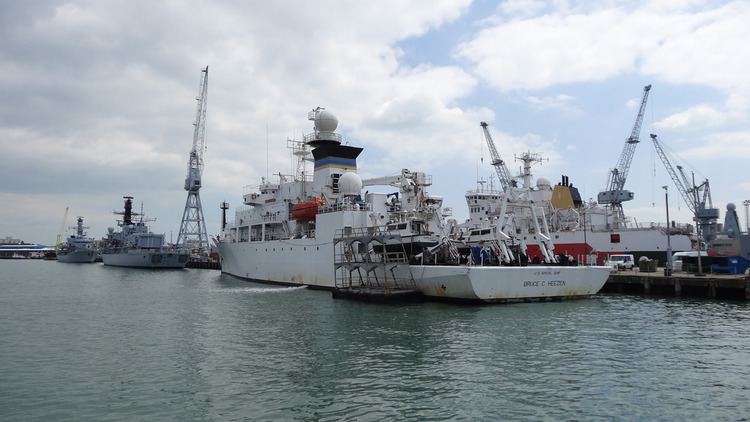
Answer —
(96, 343)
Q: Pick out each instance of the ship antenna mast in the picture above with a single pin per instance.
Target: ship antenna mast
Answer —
(193, 233)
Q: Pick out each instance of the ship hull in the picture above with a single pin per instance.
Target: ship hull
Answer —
(651, 243)
(145, 259)
(78, 256)
(305, 262)
(502, 284)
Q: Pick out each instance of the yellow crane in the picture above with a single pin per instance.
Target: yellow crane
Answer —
(60, 232)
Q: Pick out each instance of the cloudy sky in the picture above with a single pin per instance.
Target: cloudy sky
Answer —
(98, 97)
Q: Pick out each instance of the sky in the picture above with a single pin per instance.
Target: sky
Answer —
(97, 98)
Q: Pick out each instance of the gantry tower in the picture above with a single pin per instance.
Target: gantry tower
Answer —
(193, 233)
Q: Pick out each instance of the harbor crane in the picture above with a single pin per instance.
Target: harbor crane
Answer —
(697, 197)
(503, 174)
(193, 233)
(616, 194)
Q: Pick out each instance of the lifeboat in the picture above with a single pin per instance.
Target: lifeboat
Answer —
(305, 211)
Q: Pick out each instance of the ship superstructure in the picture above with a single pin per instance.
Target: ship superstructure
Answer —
(136, 246)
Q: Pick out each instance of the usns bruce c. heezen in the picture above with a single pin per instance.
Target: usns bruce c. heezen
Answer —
(323, 231)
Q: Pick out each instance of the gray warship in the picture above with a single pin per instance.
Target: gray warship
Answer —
(136, 246)
(77, 248)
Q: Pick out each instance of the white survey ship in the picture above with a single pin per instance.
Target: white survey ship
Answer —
(77, 248)
(136, 246)
(323, 231)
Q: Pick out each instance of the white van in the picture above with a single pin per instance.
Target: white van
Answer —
(677, 258)
(621, 261)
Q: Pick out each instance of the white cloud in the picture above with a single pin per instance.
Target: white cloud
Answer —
(99, 97)
(560, 102)
(673, 42)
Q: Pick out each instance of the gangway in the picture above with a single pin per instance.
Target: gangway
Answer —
(371, 261)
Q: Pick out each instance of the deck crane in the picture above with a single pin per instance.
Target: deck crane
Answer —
(616, 194)
(503, 174)
(193, 233)
(697, 197)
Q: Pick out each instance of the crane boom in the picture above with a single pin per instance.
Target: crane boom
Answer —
(680, 184)
(697, 197)
(616, 194)
(503, 174)
(195, 161)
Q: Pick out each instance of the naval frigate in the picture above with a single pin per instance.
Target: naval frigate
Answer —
(136, 246)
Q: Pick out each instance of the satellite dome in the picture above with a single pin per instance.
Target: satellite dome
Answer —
(350, 184)
(542, 182)
(325, 121)
(731, 206)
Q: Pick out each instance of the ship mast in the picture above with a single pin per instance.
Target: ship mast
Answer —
(193, 233)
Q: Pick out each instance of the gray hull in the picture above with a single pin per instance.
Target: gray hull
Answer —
(146, 259)
(78, 256)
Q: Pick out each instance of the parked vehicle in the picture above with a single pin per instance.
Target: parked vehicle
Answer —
(677, 259)
(621, 261)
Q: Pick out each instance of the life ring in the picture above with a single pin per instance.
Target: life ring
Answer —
(253, 196)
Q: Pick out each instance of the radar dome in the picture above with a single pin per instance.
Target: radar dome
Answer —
(325, 121)
(350, 184)
(731, 206)
(542, 182)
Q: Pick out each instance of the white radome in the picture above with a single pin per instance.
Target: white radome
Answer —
(325, 121)
(542, 182)
(350, 184)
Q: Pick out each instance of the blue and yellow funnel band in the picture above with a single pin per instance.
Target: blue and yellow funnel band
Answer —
(336, 162)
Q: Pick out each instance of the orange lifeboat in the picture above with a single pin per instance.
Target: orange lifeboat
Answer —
(305, 211)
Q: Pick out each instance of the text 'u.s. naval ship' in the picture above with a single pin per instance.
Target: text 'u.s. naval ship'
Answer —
(323, 231)
(136, 246)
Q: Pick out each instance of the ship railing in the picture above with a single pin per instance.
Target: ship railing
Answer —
(323, 136)
(344, 206)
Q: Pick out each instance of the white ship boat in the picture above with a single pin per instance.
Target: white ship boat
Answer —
(77, 248)
(136, 246)
(322, 231)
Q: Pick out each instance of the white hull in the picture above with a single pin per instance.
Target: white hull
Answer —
(145, 259)
(492, 284)
(293, 261)
(304, 262)
(78, 256)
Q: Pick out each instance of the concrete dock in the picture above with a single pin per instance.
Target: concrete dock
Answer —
(722, 286)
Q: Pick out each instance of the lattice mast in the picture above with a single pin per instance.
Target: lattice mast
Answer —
(193, 233)
(616, 194)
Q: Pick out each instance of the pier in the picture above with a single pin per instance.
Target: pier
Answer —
(714, 286)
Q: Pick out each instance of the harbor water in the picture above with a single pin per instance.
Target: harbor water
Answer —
(86, 342)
